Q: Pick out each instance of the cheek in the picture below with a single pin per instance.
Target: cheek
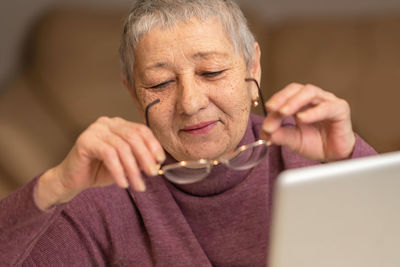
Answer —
(159, 114)
(233, 98)
(146, 97)
(161, 117)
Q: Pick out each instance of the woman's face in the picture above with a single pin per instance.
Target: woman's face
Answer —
(200, 80)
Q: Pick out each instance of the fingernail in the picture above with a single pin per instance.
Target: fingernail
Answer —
(154, 170)
(141, 185)
(267, 128)
(160, 158)
(269, 106)
(301, 115)
(285, 110)
(125, 183)
(158, 166)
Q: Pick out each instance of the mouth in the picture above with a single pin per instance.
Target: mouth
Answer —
(200, 128)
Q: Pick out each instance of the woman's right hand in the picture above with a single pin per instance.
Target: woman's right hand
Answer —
(111, 150)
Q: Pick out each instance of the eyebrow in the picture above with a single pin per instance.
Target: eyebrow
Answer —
(207, 55)
(156, 65)
(201, 55)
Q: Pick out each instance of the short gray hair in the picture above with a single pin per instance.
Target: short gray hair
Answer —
(146, 14)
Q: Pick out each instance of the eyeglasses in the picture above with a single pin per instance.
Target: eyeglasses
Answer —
(243, 158)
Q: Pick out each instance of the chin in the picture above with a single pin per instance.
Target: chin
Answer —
(200, 153)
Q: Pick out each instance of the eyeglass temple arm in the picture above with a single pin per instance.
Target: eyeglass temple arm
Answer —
(259, 92)
(147, 110)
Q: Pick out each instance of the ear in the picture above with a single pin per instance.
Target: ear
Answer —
(133, 96)
(255, 69)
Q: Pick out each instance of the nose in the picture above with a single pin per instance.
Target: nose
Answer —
(192, 96)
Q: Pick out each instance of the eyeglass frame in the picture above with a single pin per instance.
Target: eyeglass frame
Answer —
(210, 163)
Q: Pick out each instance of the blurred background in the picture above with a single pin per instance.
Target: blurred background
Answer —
(59, 69)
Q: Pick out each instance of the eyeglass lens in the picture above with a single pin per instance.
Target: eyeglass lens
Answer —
(248, 158)
(191, 173)
(196, 171)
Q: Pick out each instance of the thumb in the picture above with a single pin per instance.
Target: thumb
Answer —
(288, 136)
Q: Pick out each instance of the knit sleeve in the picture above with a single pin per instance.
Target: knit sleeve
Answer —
(362, 149)
(32, 237)
(21, 224)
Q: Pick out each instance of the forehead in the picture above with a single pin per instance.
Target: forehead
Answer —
(194, 40)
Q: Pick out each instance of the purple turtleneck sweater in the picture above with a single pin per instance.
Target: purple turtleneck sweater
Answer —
(220, 221)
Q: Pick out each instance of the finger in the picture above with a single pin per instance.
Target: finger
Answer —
(287, 136)
(336, 111)
(127, 130)
(152, 143)
(136, 178)
(292, 138)
(128, 162)
(272, 122)
(280, 98)
(306, 96)
(107, 154)
(145, 157)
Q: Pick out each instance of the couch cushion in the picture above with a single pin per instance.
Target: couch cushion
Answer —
(75, 58)
(31, 139)
(5, 186)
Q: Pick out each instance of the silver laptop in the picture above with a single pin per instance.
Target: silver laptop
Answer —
(342, 214)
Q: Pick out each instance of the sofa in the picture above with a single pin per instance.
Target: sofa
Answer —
(71, 76)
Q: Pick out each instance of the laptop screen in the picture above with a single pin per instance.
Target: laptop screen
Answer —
(338, 214)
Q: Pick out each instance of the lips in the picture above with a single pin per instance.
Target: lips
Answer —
(200, 128)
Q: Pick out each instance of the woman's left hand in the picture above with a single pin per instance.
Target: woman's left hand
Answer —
(323, 129)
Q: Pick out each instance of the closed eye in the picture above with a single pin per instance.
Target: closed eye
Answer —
(212, 74)
(161, 85)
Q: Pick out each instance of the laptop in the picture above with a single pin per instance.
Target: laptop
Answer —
(342, 214)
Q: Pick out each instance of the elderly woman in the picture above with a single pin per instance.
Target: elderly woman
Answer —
(193, 69)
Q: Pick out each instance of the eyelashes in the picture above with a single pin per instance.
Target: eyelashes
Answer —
(161, 85)
(212, 74)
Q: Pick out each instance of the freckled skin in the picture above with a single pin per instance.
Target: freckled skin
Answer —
(181, 58)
